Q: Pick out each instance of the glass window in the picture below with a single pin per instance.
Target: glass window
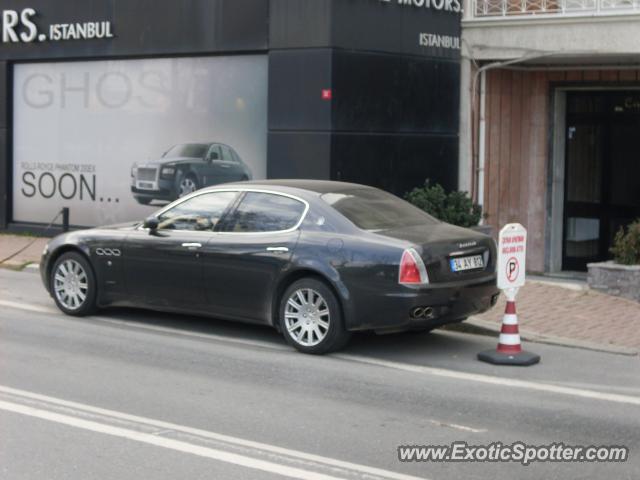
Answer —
(201, 213)
(226, 153)
(583, 237)
(373, 209)
(187, 150)
(265, 212)
(214, 153)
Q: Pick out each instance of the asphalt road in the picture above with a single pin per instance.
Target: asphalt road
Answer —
(131, 394)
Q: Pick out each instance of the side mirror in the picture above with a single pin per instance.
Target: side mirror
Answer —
(151, 223)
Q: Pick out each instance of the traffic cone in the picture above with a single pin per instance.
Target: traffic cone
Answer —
(509, 351)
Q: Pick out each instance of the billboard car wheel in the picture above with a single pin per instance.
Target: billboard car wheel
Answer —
(188, 185)
(73, 284)
(310, 318)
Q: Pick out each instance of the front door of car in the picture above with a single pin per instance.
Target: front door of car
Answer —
(243, 262)
(216, 169)
(163, 266)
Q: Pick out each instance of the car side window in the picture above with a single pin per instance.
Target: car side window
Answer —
(214, 153)
(265, 212)
(200, 213)
(226, 153)
(236, 157)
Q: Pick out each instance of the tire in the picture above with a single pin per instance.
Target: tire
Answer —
(320, 332)
(80, 289)
(144, 201)
(187, 185)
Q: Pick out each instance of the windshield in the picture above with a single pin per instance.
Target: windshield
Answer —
(373, 209)
(187, 150)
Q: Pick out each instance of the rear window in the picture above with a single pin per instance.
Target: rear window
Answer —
(265, 212)
(372, 209)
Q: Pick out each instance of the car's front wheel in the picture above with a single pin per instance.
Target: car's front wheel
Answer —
(310, 317)
(73, 284)
(187, 185)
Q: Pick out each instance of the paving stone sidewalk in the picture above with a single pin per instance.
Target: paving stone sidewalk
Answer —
(545, 309)
(12, 243)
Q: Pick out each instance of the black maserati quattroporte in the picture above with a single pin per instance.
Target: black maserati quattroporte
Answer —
(315, 259)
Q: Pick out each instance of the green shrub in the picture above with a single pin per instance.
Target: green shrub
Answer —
(626, 245)
(455, 207)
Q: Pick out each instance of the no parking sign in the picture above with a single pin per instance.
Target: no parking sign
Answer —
(512, 252)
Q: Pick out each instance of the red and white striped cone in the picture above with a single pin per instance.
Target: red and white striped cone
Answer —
(509, 351)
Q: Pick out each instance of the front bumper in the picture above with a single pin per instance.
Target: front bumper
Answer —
(448, 303)
(44, 269)
(166, 191)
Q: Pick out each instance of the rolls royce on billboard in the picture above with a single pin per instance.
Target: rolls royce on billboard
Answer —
(316, 260)
(185, 168)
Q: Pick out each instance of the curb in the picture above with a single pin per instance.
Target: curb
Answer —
(21, 267)
(481, 327)
(32, 268)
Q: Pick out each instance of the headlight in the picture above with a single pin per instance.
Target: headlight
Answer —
(134, 170)
(168, 172)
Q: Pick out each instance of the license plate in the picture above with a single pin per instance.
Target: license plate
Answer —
(466, 263)
(145, 185)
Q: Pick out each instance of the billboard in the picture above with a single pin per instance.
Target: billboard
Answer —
(114, 140)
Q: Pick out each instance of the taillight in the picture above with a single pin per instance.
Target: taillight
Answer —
(412, 269)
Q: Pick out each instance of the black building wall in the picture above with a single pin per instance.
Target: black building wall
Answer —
(393, 118)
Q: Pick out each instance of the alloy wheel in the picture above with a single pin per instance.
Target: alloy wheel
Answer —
(187, 186)
(307, 317)
(71, 284)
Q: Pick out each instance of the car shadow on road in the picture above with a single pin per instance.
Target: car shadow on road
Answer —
(396, 346)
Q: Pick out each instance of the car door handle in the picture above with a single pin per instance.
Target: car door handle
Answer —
(277, 249)
(192, 245)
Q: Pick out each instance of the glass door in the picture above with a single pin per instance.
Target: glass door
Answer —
(602, 178)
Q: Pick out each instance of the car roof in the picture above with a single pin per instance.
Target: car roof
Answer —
(319, 187)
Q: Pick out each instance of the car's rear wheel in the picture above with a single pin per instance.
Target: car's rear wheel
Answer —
(188, 185)
(73, 284)
(310, 317)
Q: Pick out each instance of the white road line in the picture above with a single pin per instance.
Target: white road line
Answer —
(154, 328)
(164, 442)
(456, 426)
(207, 336)
(440, 372)
(26, 306)
(491, 380)
(326, 461)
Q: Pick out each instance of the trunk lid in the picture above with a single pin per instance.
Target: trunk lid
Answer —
(438, 244)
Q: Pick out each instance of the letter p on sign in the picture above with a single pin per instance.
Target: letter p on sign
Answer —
(512, 254)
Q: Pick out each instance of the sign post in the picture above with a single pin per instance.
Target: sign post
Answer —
(512, 252)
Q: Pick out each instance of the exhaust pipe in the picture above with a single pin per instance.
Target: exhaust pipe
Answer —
(422, 312)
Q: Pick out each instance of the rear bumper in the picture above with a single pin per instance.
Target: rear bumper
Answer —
(449, 303)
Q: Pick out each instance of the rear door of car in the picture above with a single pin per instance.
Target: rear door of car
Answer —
(217, 168)
(244, 260)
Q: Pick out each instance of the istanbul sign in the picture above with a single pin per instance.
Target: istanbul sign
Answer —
(18, 26)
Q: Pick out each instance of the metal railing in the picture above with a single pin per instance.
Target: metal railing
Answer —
(508, 8)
